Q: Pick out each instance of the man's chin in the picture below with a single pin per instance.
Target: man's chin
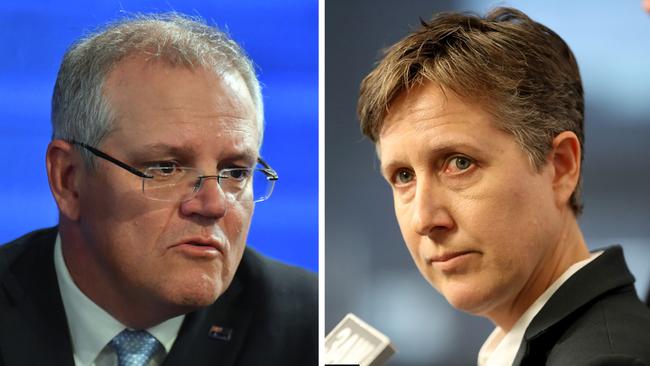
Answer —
(191, 302)
(197, 294)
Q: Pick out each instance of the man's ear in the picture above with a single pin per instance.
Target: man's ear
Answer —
(565, 158)
(63, 173)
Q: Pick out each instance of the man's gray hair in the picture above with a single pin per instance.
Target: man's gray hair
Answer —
(80, 110)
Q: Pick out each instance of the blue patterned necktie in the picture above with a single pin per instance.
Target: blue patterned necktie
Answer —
(135, 347)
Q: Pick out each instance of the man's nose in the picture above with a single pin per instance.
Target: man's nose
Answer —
(430, 212)
(210, 201)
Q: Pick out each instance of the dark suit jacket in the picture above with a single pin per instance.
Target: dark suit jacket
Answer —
(271, 308)
(594, 318)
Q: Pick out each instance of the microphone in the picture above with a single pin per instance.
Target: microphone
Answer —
(353, 341)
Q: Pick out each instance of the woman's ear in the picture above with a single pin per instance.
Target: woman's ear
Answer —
(565, 157)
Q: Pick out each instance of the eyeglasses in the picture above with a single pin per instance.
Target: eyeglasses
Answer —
(169, 182)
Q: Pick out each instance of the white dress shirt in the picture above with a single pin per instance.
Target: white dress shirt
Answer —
(500, 348)
(92, 328)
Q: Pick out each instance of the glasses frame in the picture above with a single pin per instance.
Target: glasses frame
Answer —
(270, 173)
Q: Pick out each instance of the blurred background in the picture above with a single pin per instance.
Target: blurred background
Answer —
(369, 271)
(280, 36)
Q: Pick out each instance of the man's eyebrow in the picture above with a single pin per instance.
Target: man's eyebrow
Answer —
(244, 156)
(163, 148)
(248, 157)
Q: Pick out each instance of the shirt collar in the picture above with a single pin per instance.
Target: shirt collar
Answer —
(500, 348)
(91, 327)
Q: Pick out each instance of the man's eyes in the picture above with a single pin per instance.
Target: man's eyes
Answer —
(237, 173)
(167, 167)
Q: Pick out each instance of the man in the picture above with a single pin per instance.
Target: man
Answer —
(478, 124)
(155, 168)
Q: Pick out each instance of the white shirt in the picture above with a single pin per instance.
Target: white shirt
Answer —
(92, 328)
(500, 348)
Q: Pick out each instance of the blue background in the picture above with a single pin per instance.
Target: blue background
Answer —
(280, 36)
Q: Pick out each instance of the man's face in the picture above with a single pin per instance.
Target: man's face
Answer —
(177, 253)
(477, 217)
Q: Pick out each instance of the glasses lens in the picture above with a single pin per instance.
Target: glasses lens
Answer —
(262, 185)
(170, 184)
(181, 184)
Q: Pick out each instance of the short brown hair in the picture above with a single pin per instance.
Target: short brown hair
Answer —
(520, 71)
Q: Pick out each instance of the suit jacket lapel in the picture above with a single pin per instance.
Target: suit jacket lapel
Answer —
(196, 346)
(605, 273)
(33, 319)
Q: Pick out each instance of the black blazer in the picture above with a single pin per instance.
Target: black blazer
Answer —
(270, 308)
(594, 318)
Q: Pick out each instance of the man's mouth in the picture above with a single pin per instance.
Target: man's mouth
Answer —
(200, 247)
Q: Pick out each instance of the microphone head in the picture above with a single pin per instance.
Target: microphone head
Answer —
(354, 341)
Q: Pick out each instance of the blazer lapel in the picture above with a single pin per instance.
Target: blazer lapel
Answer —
(33, 319)
(606, 273)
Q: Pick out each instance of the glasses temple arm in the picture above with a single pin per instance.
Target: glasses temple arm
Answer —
(103, 155)
(270, 172)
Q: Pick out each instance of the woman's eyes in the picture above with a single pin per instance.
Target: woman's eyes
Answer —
(452, 166)
(458, 164)
(403, 176)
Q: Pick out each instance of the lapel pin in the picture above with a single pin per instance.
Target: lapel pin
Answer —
(219, 332)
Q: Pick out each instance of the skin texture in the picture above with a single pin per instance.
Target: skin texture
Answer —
(484, 227)
(125, 251)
